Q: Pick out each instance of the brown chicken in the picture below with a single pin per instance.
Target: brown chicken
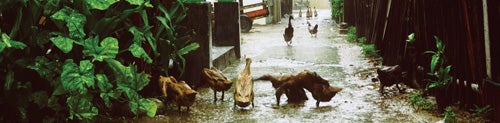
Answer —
(179, 92)
(243, 90)
(314, 31)
(216, 80)
(289, 32)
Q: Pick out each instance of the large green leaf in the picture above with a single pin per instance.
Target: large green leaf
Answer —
(127, 77)
(434, 62)
(145, 105)
(439, 44)
(106, 89)
(74, 21)
(136, 49)
(76, 79)
(188, 48)
(107, 50)
(100, 4)
(8, 43)
(63, 43)
(140, 2)
(81, 107)
(138, 52)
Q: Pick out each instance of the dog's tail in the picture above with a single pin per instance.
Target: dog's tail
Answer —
(266, 77)
(271, 78)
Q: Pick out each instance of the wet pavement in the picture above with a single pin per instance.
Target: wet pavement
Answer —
(330, 55)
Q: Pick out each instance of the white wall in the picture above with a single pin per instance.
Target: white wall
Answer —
(319, 4)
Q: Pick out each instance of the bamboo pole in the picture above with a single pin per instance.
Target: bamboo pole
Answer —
(486, 39)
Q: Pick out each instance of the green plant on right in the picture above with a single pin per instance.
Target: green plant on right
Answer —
(417, 101)
(450, 116)
(479, 113)
(337, 9)
(351, 34)
(438, 67)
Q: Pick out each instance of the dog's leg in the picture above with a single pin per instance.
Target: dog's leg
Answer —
(317, 104)
(179, 108)
(215, 95)
(381, 90)
(279, 92)
(222, 96)
(397, 86)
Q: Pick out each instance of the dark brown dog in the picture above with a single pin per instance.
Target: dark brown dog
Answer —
(294, 94)
(390, 76)
(294, 85)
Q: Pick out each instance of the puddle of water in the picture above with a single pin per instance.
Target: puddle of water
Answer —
(329, 55)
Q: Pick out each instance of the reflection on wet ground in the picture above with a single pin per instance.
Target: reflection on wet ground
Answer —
(329, 55)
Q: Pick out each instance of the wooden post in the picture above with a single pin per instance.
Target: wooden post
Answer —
(227, 27)
(486, 39)
(199, 19)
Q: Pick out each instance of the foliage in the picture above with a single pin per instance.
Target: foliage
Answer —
(438, 67)
(417, 101)
(479, 113)
(450, 116)
(368, 49)
(411, 38)
(337, 8)
(351, 34)
(78, 55)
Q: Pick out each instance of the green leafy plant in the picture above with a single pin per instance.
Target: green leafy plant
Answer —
(450, 116)
(479, 113)
(418, 101)
(369, 50)
(351, 34)
(438, 67)
(76, 53)
(337, 9)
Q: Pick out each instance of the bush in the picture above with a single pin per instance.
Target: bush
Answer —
(417, 101)
(369, 50)
(351, 34)
(81, 56)
(337, 9)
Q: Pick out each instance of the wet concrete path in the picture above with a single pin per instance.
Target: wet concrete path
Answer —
(330, 55)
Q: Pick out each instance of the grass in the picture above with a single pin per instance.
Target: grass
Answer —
(369, 50)
(351, 34)
(418, 102)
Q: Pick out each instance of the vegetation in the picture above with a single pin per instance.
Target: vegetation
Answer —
(441, 78)
(337, 9)
(368, 49)
(453, 114)
(351, 34)
(418, 101)
(75, 60)
(438, 67)
(450, 116)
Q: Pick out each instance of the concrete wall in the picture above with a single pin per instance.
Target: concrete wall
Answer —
(319, 4)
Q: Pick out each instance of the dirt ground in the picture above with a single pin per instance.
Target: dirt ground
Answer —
(330, 55)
